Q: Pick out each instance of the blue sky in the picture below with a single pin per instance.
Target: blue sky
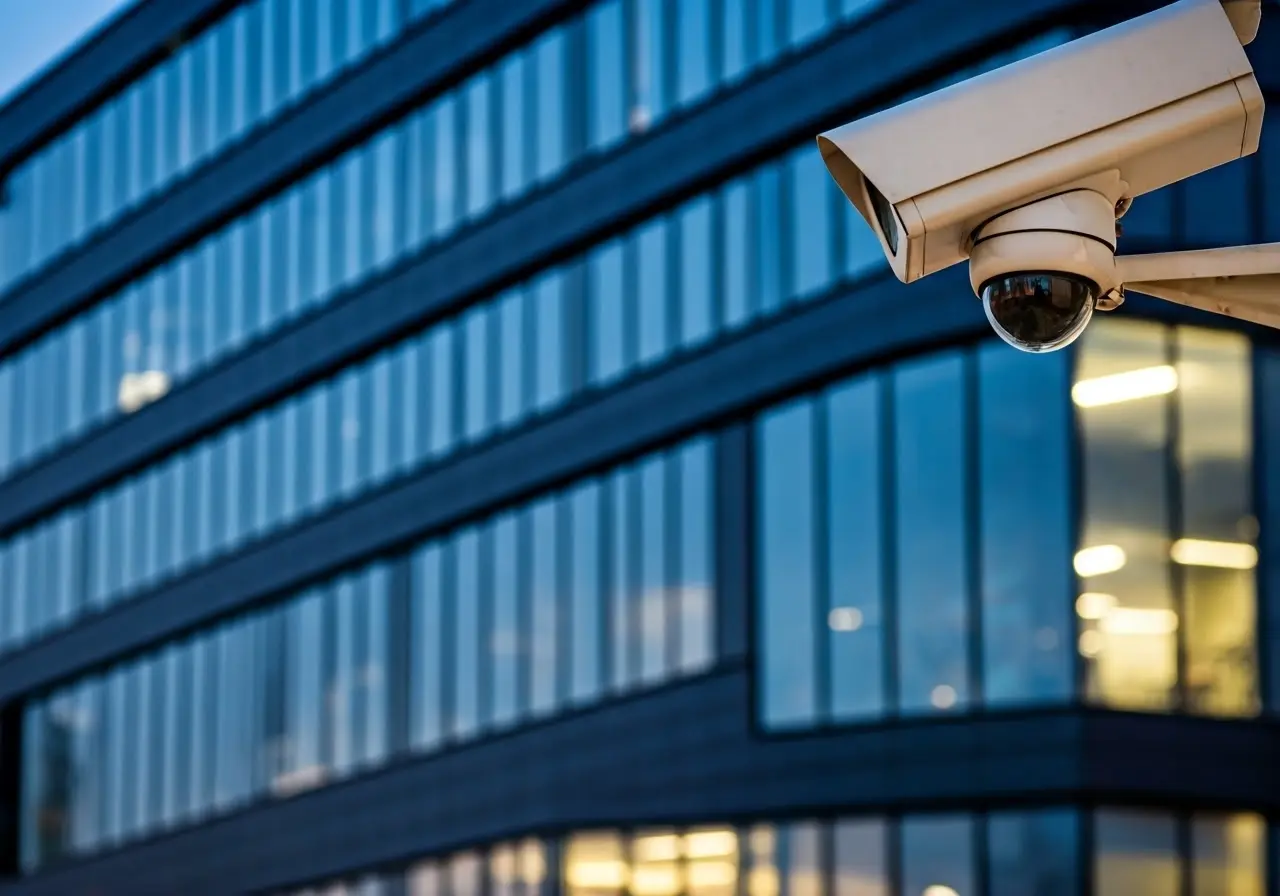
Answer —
(36, 32)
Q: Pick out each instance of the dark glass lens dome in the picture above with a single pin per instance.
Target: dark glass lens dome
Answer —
(1039, 312)
(884, 214)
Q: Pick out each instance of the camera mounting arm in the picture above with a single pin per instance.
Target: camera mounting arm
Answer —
(1241, 282)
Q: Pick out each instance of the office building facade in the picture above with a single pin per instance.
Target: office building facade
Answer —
(469, 448)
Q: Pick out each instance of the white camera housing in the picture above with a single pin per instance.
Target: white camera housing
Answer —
(1025, 170)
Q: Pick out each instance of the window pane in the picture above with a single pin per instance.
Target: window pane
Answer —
(375, 665)
(653, 551)
(551, 113)
(304, 695)
(511, 356)
(624, 575)
(1228, 855)
(651, 290)
(1128, 625)
(466, 608)
(607, 294)
(767, 217)
(1026, 506)
(441, 343)
(807, 18)
(931, 518)
(549, 319)
(1218, 208)
(696, 586)
(1033, 853)
(505, 640)
(479, 145)
(585, 614)
(938, 852)
(854, 615)
(515, 116)
(735, 232)
(544, 597)
(696, 257)
(694, 41)
(447, 196)
(476, 327)
(649, 75)
(788, 685)
(811, 212)
(1137, 854)
(607, 58)
(860, 859)
(1216, 551)
(428, 640)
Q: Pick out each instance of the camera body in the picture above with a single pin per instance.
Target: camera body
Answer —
(1025, 170)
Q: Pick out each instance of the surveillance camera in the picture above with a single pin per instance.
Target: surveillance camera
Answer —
(1025, 170)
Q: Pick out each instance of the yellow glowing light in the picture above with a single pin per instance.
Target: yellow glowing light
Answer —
(939, 890)
(655, 880)
(1222, 554)
(712, 874)
(1128, 386)
(845, 619)
(1090, 644)
(1094, 604)
(1099, 560)
(657, 848)
(943, 696)
(600, 875)
(763, 881)
(708, 844)
(1139, 621)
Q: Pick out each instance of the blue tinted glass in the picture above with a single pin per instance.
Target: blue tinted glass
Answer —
(516, 113)
(767, 215)
(466, 640)
(544, 612)
(1149, 219)
(931, 519)
(586, 613)
(696, 259)
(807, 19)
(476, 387)
(1136, 853)
(855, 611)
(653, 610)
(623, 578)
(1027, 583)
(549, 320)
(696, 547)
(735, 232)
(447, 196)
(375, 670)
(788, 610)
(428, 640)
(441, 345)
(938, 852)
(649, 73)
(1217, 205)
(734, 24)
(1033, 852)
(551, 115)
(693, 27)
(768, 30)
(480, 139)
(606, 64)
(511, 356)
(506, 639)
(607, 301)
(811, 213)
(651, 290)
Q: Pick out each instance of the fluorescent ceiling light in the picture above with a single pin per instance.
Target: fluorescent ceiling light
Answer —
(1139, 621)
(1128, 386)
(1099, 560)
(1094, 604)
(1222, 554)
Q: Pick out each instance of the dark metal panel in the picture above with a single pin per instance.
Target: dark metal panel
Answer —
(733, 133)
(463, 38)
(684, 754)
(125, 48)
(710, 387)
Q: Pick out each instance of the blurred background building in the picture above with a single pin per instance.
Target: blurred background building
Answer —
(471, 449)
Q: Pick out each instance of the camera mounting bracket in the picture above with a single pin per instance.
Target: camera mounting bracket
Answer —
(1240, 281)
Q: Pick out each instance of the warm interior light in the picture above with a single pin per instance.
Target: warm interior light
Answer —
(712, 874)
(1094, 604)
(656, 848)
(763, 881)
(1128, 386)
(661, 879)
(596, 875)
(844, 619)
(1090, 643)
(1222, 554)
(943, 696)
(939, 890)
(1139, 621)
(708, 844)
(1099, 560)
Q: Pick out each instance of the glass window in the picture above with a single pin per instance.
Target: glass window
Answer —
(412, 374)
(649, 72)
(342, 698)
(859, 859)
(466, 612)
(447, 196)
(696, 587)
(551, 113)
(1216, 552)
(585, 611)
(1128, 624)
(807, 19)
(476, 326)
(768, 29)
(653, 609)
(480, 139)
(734, 232)
(1218, 205)
(788, 602)
(855, 607)
(652, 298)
(545, 612)
(379, 403)
(506, 641)
(606, 287)
(549, 321)
(1033, 852)
(511, 356)
(606, 62)
(1026, 505)
(1229, 855)
(766, 215)
(696, 259)
(1149, 219)
(693, 25)
(441, 343)
(302, 750)
(623, 574)
(428, 642)
(811, 222)
(516, 114)
(1135, 854)
(931, 519)
(937, 855)
(375, 668)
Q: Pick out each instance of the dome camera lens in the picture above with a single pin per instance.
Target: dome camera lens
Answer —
(1039, 312)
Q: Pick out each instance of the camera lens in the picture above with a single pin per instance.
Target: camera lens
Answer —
(885, 216)
(1039, 312)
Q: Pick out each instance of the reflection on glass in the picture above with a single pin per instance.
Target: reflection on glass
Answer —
(1033, 853)
(1229, 855)
(859, 861)
(937, 856)
(1135, 854)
